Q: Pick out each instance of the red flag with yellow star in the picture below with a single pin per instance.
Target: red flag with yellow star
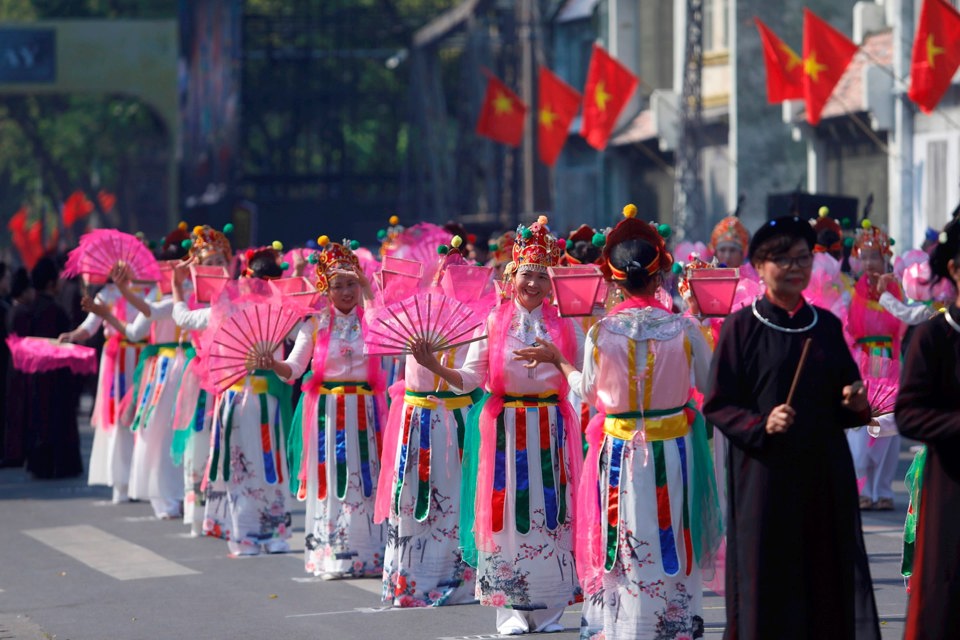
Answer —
(609, 87)
(936, 53)
(502, 115)
(826, 54)
(784, 67)
(559, 103)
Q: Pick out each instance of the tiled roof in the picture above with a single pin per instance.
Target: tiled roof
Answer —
(638, 130)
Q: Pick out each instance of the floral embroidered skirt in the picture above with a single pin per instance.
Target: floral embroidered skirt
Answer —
(652, 587)
(342, 538)
(247, 472)
(532, 564)
(423, 565)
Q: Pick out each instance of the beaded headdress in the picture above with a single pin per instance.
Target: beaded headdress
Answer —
(729, 231)
(535, 248)
(388, 236)
(205, 238)
(871, 237)
(334, 258)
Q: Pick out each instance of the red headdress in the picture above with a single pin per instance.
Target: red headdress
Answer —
(535, 248)
(729, 231)
(584, 233)
(273, 252)
(825, 222)
(501, 247)
(631, 228)
(871, 237)
(176, 238)
(334, 258)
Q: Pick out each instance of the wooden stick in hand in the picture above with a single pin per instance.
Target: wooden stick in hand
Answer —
(796, 375)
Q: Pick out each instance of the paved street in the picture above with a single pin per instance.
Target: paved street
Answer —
(75, 567)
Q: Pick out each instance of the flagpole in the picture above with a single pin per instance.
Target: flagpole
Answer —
(526, 88)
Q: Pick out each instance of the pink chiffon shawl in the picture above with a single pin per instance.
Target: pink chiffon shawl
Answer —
(311, 391)
(562, 333)
(590, 536)
(867, 318)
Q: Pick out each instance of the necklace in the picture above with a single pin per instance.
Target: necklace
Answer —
(777, 327)
(950, 321)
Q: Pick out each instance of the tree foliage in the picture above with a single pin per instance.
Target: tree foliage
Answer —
(320, 99)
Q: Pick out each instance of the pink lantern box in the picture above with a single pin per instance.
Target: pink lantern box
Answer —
(713, 289)
(602, 292)
(307, 298)
(208, 281)
(396, 286)
(287, 286)
(166, 275)
(402, 265)
(465, 283)
(94, 278)
(300, 290)
(575, 288)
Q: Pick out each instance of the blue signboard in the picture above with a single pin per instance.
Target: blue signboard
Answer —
(28, 55)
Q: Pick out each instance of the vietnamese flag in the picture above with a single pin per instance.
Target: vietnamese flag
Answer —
(559, 103)
(76, 207)
(936, 54)
(609, 87)
(502, 115)
(18, 221)
(826, 54)
(29, 242)
(784, 67)
(107, 200)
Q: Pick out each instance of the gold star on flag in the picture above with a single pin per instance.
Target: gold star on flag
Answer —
(813, 68)
(502, 104)
(601, 97)
(933, 51)
(547, 117)
(792, 58)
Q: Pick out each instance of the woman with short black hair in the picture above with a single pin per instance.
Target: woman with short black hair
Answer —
(792, 495)
(648, 517)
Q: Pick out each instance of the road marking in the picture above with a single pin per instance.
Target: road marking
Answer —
(359, 610)
(370, 585)
(107, 553)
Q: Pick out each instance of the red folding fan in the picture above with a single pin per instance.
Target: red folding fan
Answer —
(443, 322)
(102, 249)
(250, 331)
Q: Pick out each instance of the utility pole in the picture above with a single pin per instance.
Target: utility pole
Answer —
(688, 195)
(525, 9)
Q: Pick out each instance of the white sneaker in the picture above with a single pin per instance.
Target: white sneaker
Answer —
(330, 576)
(120, 494)
(553, 627)
(277, 545)
(512, 630)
